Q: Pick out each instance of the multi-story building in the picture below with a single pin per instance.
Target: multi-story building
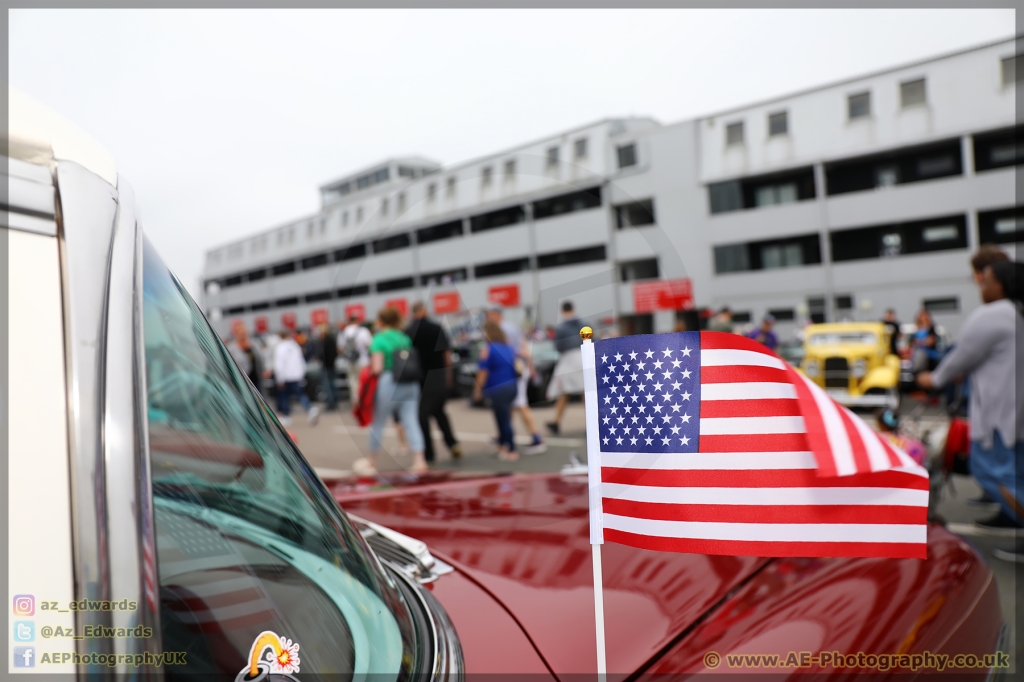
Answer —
(833, 203)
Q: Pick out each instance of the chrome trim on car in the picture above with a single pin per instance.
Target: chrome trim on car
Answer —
(409, 555)
(86, 213)
(448, 664)
(131, 548)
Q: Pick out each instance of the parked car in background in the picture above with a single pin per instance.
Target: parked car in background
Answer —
(792, 351)
(162, 481)
(853, 363)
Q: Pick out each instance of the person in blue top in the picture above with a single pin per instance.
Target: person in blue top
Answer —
(496, 378)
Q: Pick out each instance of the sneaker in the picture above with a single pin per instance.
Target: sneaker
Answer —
(983, 501)
(537, 447)
(552, 427)
(456, 451)
(286, 421)
(314, 415)
(1000, 525)
(1015, 556)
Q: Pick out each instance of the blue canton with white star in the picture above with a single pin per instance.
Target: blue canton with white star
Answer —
(648, 392)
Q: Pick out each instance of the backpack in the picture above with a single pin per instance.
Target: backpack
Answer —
(351, 351)
(406, 367)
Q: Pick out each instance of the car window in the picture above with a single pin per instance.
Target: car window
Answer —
(841, 338)
(248, 540)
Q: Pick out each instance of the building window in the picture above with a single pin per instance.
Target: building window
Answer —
(1005, 226)
(505, 267)
(572, 257)
(384, 206)
(401, 202)
(742, 317)
(350, 252)
(283, 268)
(291, 235)
(999, 149)
(496, 219)
(235, 310)
(639, 269)
(450, 188)
(635, 214)
(887, 241)
(844, 302)
(783, 314)
(317, 297)
(580, 148)
(765, 190)
(310, 262)
(286, 302)
(912, 93)
(435, 233)
(256, 275)
(1011, 69)
(262, 305)
(734, 133)
(627, 155)
(859, 105)
(395, 284)
(552, 156)
(510, 169)
(768, 254)
(232, 281)
(431, 191)
(911, 164)
(392, 242)
(344, 219)
(359, 215)
(567, 203)
(444, 278)
(778, 124)
(941, 305)
(485, 176)
(357, 290)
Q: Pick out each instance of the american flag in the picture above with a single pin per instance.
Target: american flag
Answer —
(709, 443)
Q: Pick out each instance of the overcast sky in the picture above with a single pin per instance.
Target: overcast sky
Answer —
(225, 122)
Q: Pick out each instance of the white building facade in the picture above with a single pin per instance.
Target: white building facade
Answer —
(834, 203)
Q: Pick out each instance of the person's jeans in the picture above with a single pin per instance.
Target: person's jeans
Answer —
(432, 397)
(1000, 472)
(327, 375)
(501, 397)
(284, 397)
(403, 399)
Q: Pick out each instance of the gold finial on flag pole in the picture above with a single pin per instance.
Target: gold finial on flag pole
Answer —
(586, 333)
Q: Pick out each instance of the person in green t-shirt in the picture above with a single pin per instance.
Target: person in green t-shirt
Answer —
(392, 397)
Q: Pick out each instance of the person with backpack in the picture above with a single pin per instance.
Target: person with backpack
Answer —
(396, 365)
(354, 346)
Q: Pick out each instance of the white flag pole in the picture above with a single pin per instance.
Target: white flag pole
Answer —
(594, 486)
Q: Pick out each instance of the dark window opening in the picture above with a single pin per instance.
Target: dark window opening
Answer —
(768, 255)
(942, 305)
(894, 168)
(765, 190)
(885, 241)
(734, 133)
(444, 277)
(816, 309)
(913, 93)
(356, 290)
(434, 233)
(1011, 69)
(999, 149)
(742, 317)
(316, 261)
(496, 219)
(783, 314)
(255, 275)
(639, 269)
(844, 302)
(392, 242)
(1004, 226)
(283, 268)
(395, 284)
(573, 257)
(235, 311)
(350, 252)
(318, 296)
(778, 124)
(504, 267)
(859, 105)
(232, 281)
(627, 155)
(567, 203)
(263, 305)
(642, 323)
(286, 302)
(635, 214)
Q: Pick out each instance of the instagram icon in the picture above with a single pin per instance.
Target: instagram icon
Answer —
(24, 605)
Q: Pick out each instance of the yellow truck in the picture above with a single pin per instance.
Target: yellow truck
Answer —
(852, 361)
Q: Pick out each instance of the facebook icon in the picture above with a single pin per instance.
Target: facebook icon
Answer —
(24, 657)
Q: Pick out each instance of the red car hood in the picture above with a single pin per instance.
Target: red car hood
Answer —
(525, 539)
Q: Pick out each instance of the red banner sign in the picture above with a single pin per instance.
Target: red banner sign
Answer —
(400, 304)
(671, 294)
(318, 316)
(357, 309)
(288, 320)
(262, 326)
(447, 302)
(506, 295)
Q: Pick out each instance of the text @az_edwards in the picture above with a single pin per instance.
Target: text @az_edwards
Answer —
(89, 605)
(146, 659)
(860, 660)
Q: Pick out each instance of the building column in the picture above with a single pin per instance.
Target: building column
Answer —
(820, 189)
